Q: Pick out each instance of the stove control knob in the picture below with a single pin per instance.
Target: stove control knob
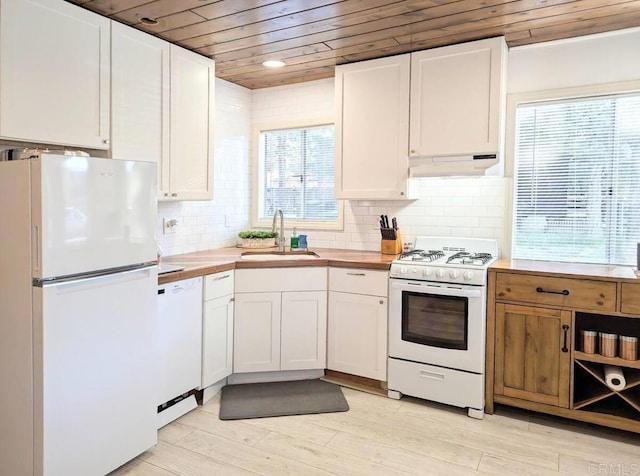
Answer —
(454, 273)
(440, 273)
(467, 275)
(426, 272)
(403, 270)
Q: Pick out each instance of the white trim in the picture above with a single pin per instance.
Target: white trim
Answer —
(255, 174)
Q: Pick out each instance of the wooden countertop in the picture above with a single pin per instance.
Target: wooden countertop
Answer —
(200, 263)
(577, 270)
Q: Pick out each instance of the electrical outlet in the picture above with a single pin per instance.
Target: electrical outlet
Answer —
(169, 225)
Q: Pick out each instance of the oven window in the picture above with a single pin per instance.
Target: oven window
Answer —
(437, 321)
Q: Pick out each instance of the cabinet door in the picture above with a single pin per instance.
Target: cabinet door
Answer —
(357, 341)
(372, 123)
(140, 99)
(530, 361)
(303, 332)
(457, 99)
(256, 332)
(54, 80)
(192, 94)
(217, 340)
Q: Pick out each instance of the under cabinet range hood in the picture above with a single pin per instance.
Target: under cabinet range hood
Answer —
(451, 165)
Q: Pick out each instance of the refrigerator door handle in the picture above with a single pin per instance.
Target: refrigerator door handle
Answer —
(36, 248)
(88, 279)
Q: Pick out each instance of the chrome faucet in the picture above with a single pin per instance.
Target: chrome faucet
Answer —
(280, 240)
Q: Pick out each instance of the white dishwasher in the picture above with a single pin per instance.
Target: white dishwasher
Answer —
(180, 347)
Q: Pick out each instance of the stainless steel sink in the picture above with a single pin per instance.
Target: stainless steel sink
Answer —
(278, 255)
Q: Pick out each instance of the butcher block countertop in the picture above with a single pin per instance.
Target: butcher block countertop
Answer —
(201, 263)
(578, 270)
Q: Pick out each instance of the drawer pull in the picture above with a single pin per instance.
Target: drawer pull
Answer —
(564, 292)
(356, 274)
(432, 375)
(565, 329)
(218, 278)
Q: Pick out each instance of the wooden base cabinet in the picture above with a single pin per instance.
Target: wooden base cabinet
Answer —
(532, 354)
(536, 357)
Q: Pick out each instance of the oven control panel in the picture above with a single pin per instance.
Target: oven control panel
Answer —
(444, 274)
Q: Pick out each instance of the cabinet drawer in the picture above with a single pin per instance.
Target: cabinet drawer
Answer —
(218, 285)
(359, 281)
(630, 302)
(564, 292)
(265, 280)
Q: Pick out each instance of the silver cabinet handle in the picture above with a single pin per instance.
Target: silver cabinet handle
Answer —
(232, 299)
(166, 194)
(356, 274)
(174, 194)
(105, 141)
(222, 277)
(381, 301)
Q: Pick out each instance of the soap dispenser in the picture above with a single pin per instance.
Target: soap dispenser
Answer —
(294, 240)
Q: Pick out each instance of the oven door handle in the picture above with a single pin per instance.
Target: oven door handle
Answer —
(438, 290)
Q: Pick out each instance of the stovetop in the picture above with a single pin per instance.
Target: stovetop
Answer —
(446, 259)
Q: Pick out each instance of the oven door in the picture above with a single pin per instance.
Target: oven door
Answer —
(437, 323)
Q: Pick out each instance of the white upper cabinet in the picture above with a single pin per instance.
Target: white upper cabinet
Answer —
(162, 106)
(457, 99)
(54, 79)
(192, 108)
(445, 102)
(372, 129)
(140, 98)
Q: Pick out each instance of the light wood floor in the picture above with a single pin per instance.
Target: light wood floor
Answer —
(388, 437)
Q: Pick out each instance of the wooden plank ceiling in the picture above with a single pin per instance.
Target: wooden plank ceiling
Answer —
(312, 36)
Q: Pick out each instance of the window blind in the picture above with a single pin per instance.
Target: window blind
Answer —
(297, 173)
(577, 180)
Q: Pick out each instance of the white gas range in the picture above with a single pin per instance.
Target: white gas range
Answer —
(437, 320)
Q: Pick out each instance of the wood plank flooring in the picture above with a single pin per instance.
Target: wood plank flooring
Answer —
(382, 436)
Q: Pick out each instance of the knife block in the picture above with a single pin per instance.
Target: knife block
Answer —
(391, 247)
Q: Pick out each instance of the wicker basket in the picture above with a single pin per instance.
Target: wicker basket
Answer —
(257, 243)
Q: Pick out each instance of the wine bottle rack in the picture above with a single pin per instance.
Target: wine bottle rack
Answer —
(592, 394)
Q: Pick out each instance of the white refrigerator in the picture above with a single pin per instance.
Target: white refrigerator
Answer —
(78, 305)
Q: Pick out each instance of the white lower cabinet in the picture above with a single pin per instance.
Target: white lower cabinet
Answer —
(256, 340)
(357, 323)
(303, 330)
(280, 319)
(217, 327)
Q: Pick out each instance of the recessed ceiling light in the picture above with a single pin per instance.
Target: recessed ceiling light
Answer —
(148, 21)
(273, 64)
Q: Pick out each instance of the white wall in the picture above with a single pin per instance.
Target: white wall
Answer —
(201, 224)
(588, 60)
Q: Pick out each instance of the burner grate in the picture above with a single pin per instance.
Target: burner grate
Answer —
(464, 257)
(422, 255)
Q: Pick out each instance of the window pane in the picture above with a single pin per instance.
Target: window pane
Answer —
(297, 173)
(577, 168)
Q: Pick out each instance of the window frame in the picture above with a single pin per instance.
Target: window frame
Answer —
(301, 225)
(516, 99)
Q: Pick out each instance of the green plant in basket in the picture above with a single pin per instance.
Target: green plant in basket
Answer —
(249, 234)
